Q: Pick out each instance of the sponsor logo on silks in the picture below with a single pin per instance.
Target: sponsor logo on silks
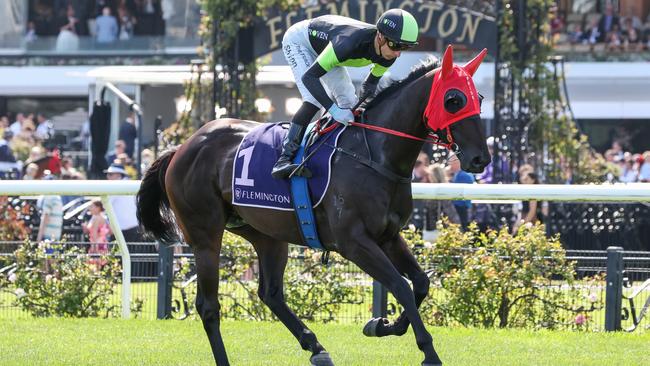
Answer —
(390, 23)
(318, 34)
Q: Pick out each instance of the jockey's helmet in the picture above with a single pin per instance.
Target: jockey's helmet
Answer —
(400, 29)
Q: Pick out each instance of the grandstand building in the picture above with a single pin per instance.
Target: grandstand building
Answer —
(55, 62)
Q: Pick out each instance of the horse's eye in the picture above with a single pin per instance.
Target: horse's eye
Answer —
(455, 100)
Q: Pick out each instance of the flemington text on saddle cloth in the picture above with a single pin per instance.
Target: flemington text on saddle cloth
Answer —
(252, 183)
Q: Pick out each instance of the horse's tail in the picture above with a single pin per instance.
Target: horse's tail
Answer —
(153, 210)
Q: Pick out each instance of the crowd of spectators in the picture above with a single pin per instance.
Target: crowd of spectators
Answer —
(633, 167)
(609, 30)
(625, 167)
(107, 21)
(28, 153)
(24, 143)
(27, 149)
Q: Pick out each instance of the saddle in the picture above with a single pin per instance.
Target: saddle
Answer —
(253, 185)
(321, 127)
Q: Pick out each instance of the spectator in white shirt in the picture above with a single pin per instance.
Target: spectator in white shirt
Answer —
(17, 126)
(45, 129)
(628, 173)
(124, 206)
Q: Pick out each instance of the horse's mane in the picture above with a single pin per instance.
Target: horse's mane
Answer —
(393, 85)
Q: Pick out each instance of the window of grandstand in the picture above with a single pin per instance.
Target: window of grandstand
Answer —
(79, 27)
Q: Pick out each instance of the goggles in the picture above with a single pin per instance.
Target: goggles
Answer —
(397, 46)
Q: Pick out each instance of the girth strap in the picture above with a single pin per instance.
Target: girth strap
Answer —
(373, 165)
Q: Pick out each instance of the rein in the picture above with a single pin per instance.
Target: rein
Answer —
(431, 138)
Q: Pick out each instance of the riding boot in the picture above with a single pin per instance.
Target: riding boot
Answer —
(284, 166)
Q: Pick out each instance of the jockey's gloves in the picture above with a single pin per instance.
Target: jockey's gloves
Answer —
(341, 115)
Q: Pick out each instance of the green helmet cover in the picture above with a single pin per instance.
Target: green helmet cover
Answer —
(398, 25)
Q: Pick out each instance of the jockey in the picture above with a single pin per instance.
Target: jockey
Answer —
(317, 50)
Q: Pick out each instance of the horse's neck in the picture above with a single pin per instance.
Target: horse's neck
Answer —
(403, 112)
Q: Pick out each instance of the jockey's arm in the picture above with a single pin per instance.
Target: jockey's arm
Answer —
(369, 86)
(326, 61)
(311, 79)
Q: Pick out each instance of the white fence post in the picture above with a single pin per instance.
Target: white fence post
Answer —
(126, 257)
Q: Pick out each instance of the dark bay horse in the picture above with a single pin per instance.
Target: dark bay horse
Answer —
(360, 216)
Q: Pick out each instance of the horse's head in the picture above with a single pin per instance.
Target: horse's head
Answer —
(453, 111)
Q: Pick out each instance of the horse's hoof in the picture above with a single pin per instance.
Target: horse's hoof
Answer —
(370, 329)
(431, 364)
(321, 359)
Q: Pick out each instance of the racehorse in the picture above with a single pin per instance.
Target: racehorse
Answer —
(367, 203)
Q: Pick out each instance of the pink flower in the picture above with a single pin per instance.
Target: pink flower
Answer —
(580, 319)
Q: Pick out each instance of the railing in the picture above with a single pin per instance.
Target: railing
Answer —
(571, 193)
(100, 188)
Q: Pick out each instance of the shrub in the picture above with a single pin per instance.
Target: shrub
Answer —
(311, 289)
(12, 225)
(493, 279)
(67, 283)
(315, 289)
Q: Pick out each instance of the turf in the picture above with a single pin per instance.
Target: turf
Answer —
(146, 342)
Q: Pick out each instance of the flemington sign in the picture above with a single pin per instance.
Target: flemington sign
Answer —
(436, 20)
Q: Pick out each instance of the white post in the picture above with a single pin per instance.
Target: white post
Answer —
(126, 257)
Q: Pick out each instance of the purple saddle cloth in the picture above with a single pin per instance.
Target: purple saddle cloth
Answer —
(252, 183)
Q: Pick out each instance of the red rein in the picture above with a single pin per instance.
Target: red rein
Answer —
(431, 138)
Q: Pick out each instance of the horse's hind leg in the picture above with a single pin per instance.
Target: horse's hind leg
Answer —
(273, 256)
(207, 303)
(203, 222)
(402, 258)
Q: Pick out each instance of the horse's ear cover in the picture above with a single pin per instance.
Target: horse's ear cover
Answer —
(473, 65)
(447, 63)
(448, 77)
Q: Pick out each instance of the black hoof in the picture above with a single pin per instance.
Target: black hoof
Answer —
(370, 329)
(321, 359)
(431, 364)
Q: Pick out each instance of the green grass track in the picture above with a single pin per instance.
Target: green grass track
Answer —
(147, 342)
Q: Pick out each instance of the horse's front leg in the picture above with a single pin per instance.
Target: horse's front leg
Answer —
(366, 253)
(273, 255)
(399, 254)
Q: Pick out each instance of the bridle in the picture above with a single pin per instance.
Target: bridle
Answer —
(433, 137)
